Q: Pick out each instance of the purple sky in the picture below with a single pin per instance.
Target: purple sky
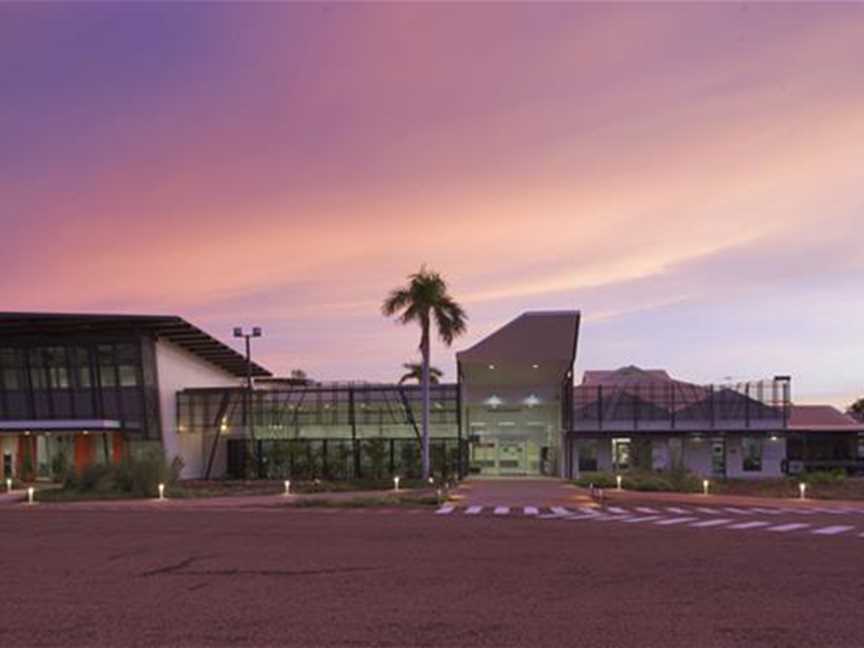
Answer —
(690, 176)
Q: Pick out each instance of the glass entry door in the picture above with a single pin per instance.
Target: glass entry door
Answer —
(511, 458)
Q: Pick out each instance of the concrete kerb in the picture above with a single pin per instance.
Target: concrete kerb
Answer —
(698, 499)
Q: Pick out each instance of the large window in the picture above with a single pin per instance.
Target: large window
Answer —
(587, 456)
(751, 454)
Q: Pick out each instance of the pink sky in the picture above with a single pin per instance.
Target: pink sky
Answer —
(690, 176)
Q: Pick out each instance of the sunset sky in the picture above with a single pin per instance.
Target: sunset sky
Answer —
(690, 176)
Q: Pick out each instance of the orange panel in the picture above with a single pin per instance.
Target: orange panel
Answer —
(118, 447)
(26, 446)
(83, 451)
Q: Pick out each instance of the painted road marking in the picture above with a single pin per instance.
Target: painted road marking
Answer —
(738, 511)
(588, 509)
(584, 516)
(783, 528)
(473, 510)
(676, 520)
(615, 509)
(748, 525)
(560, 510)
(643, 518)
(531, 510)
(502, 510)
(645, 509)
(832, 530)
(676, 510)
(767, 511)
(711, 523)
(709, 511)
(445, 510)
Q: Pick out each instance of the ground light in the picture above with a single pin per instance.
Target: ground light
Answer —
(618, 480)
(30, 493)
(161, 491)
(705, 485)
(396, 483)
(8, 485)
(287, 486)
(802, 489)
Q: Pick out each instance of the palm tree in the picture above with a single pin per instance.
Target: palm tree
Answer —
(423, 300)
(414, 371)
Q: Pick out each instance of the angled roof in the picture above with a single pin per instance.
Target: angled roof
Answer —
(823, 418)
(624, 375)
(534, 336)
(168, 327)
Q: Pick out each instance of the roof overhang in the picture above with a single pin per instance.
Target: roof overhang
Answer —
(60, 425)
(167, 327)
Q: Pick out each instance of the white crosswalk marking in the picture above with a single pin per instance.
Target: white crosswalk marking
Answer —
(712, 522)
(748, 525)
(676, 520)
(783, 528)
(473, 510)
(676, 510)
(502, 510)
(531, 510)
(559, 510)
(708, 511)
(585, 516)
(832, 530)
(643, 518)
(645, 509)
(616, 509)
(446, 509)
(738, 511)
(767, 511)
(588, 509)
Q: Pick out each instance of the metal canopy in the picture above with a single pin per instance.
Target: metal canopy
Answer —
(169, 327)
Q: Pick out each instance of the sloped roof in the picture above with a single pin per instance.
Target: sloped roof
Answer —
(631, 373)
(654, 386)
(169, 327)
(534, 336)
(822, 417)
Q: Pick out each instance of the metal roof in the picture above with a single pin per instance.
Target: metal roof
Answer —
(534, 336)
(168, 327)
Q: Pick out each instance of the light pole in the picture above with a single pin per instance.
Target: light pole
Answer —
(247, 401)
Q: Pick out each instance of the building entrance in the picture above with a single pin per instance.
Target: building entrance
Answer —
(506, 457)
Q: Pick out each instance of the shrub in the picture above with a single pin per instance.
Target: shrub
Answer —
(822, 477)
(599, 479)
(139, 476)
(59, 467)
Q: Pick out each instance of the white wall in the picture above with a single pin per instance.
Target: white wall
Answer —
(9, 443)
(177, 369)
(773, 453)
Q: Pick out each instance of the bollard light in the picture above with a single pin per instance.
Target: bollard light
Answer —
(802, 489)
(431, 480)
(705, 485)
(8, 485)
(396, 483)
(618, 481)
(30, 495)
(287, 486)
(161, 491)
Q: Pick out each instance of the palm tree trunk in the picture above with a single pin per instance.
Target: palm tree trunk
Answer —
(424, 420)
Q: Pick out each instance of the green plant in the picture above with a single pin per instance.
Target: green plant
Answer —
(377, 451)
(59, 467)
(823, 477)
(598, 479)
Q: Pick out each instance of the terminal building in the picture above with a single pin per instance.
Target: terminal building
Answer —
(77, 389)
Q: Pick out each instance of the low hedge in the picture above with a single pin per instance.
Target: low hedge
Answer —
(680, 481)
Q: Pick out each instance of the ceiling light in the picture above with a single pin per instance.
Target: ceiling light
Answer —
(492, 366)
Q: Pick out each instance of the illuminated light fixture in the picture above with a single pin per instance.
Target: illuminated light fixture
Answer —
(492, 367)
(223, 427)
(287, 486)
(161, 491)
(30, 492)
(532, 400)
(86, 432)
(493, 401)
(802, 490)
(396, 483)
(705, 485)
(535, 366)
(618, 481)
(27, 433)
(773, 437)
(8, 485)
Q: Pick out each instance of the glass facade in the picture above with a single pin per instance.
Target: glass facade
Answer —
(328, 431)
(83, 379)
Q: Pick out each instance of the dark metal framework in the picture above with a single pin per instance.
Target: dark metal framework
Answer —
(669, 407)
(352, 414)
